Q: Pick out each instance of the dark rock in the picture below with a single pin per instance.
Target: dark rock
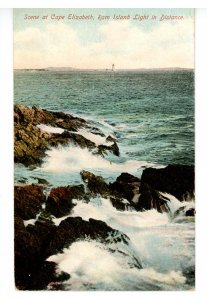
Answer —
(27, 255)
(110, 139)
(126, 186)
(45, 216)
(150, 199)
(97, 131)
(120, 203)
(177, 180)
(25, 115)
(41, 180)
(182, 211)
(44, 230)
(22, 180)
(190, 212)
(71, 138)
(72, 229)
(189, 273)
(31, 143)
(140, 195)
(96, 184)
(114, 149)
(28, 201)
(47, 275)
(29, 245)
(59, 202)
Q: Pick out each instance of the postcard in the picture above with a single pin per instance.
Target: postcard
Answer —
(104, 196)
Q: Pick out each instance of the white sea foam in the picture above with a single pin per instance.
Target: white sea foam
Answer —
(50, 129)
(174, 204)
(29, 222)
(159, 243)
(171, 278)
(57, 221)
(82, 261)
(101, 209)
(75, 159)
(105, 124)
(164, 249)
(97, 139)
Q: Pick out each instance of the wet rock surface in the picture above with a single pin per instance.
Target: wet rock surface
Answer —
(28, 201)
(36, 116)
(59, 202)
(95, 184)
(177, 180)
(29, 246)
(73, 229)
(31, 142)
(35, 243)
(126, 186)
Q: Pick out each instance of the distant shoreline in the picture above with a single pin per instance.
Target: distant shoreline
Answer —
(104, 70)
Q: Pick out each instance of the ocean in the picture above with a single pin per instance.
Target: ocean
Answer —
(151, 114)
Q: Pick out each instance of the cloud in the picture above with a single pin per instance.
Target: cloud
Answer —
(123, 43)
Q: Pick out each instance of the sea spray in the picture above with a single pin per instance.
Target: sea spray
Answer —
(165, 251)
(110, 272)
(152, 115)
(50, 129)
(75, 159)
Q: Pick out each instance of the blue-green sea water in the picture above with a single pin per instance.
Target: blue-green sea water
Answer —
(151, 113)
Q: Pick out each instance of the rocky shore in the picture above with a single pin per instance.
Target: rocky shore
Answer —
(37, 240)
(38, 206)
(31, 142)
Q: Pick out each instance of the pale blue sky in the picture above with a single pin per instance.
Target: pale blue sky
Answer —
(98, 43)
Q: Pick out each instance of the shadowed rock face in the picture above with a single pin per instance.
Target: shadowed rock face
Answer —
(32, 272)
(34, 115)
(95, 184)
(28, 201)
(150, 199)
(126, 186)
(35, 243)
(59, 202)
(72, 229)
(177, 180)
(30, 142)
(102, 149)
(139, 194)
(190, 212)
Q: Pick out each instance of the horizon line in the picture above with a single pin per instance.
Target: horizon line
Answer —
(103, 69)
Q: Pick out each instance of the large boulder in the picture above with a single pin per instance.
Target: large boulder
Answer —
(177, 180)
(32, 272)
(30, 144)
(140, 195)
(28, 200)
(126, 186)
(59, 202)
(73, 229)
(95, 184)
(150, 199)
